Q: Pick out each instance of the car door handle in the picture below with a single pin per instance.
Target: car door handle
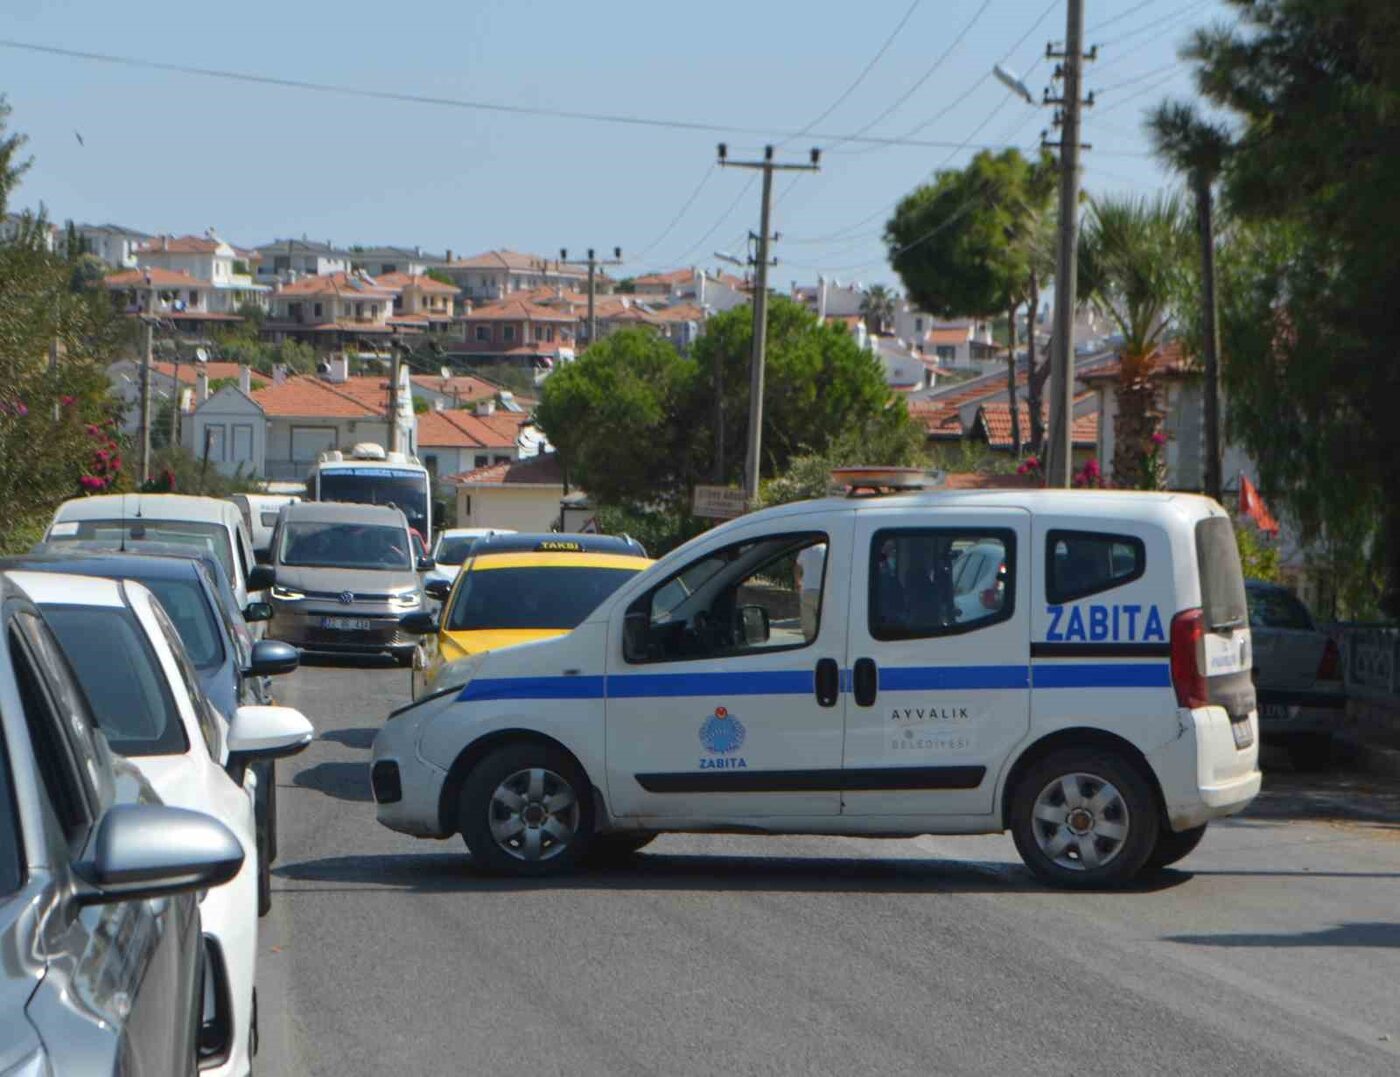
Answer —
(865, 681)
(828, 682)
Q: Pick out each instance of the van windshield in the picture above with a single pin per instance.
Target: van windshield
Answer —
(344, 545)
(128, 534)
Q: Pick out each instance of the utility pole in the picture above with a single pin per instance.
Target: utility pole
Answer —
(592, 263)
(148, 317)
(394, 396)
(752, 457)
(1058, 437)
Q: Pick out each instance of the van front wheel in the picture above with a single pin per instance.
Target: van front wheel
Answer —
(1084, 818)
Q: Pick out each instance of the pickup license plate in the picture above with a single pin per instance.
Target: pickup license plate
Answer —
(1244, 733)
(347, 624)
(1277, 712)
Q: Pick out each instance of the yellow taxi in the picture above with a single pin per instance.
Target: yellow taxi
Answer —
(517, 588)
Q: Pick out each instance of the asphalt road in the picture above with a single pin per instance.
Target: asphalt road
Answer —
(1274, 951)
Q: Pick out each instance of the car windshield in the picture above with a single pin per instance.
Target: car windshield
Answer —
(454, 549)
(545, 596)
(128, 535)
(344, 545)
(188, 606)
(1273, 607)
(121, 677)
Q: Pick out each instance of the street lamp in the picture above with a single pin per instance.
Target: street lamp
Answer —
(1013, 83)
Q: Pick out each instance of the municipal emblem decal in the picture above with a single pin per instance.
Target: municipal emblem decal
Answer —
(722, 733)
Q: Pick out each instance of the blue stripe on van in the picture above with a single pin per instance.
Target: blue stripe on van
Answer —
(1104, 675)
(791, 682)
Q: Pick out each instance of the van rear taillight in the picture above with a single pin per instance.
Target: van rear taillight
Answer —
(1330, 668)
(1188, 630)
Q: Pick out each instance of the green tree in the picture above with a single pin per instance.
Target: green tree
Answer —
(973, 244)
(878, 308)
(611, 416)
(1132, 260)
(1312, 382)
(1198, 149)
(441, 276)
(818, 384)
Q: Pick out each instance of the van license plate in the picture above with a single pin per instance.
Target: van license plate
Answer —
(1244, 733)
(1277, 712)
(347, 624)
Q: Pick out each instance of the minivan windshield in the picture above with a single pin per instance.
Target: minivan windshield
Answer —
(128, 535)
(119, 674)
(323, 544)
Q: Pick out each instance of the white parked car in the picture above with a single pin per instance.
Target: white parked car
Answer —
(145, 695)
(454, 546)
(1097, 702)
(260, 513)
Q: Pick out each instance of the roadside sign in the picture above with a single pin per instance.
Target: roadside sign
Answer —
(719, 502)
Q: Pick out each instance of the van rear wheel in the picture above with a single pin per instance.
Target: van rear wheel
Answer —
(1084, 818)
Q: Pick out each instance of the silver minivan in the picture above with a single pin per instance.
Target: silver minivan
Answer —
(342, 576)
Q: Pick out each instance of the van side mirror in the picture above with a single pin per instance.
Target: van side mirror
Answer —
(426, 564)
(261, 577)
(418, 623)
(636, 636)
(142, 851)
(254, 612)
(438, 589)
(272, 657)
(753, 625)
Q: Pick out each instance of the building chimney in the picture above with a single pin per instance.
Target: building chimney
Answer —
(165, 243)
(700, 289)
(201, 386)
(279, 373)
(245, 378)
(486, 407)
(339, 367)
(821, 298)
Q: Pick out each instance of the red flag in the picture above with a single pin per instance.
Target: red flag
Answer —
(1252, 505)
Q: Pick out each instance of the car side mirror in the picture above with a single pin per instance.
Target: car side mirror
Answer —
(272, 657)
(418, 623)
(636, 636)
(261, 577)
(257, 611)
(426, 564)
(260, 733)
(753, 622)
(438, 589)
(140, 851)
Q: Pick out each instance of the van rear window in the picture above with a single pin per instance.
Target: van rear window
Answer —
(1222, 579)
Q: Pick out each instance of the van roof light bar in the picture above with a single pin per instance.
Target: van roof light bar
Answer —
(879, 481)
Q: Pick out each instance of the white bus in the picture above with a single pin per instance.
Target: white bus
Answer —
(368, 475)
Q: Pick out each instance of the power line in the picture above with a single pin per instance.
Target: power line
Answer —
(1123, 15)
(1140, 78)
(869, 67)
(715, 227)
(685, 206)
(625, 119)
(1142, 28)
(1150, 88)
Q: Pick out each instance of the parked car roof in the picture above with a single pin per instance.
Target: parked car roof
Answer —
(343, 512)
(150, 507)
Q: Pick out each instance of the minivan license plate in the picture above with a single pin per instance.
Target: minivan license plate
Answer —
(347, 624)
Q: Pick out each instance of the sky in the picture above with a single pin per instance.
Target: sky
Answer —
(164, 151)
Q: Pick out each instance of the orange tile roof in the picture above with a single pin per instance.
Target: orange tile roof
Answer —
(301, 396)
(675, 276)
(512, 309)
(975, 480)
(181, 245)
(940, 414)
(464, 430)
(466, 387)
(514, 260)
(542, 470)
(154, 277)
(398, 281)
(216, 371)
(336, 284)
(995, 416)
(1170, 359)
(952, 335)
(681, 312)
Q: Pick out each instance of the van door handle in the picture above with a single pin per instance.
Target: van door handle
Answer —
(865, 681)
(828, 682)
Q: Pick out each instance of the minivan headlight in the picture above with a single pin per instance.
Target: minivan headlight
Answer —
(286, 594)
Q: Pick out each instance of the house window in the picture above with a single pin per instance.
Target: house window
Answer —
(294, 311)
(359, 310)
(507, 333)
(388, 267)
(316, 310)
(946, 353)
(214, 442)
(483, 333)
(194, 299)
(545, 333)
(918, 325)
(482, 459)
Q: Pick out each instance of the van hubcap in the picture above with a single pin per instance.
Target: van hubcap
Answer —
(534, 814)
(1080, 821)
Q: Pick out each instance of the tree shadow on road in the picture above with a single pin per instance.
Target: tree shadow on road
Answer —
(1359, 934)
(344, 781)
(455, 873)
(361, 737)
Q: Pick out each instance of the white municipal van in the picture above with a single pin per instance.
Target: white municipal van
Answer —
(1090, 692)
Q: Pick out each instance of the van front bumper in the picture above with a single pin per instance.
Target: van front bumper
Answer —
(1203, 773)
(406, 788)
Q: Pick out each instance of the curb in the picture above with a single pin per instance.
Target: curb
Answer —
(1372, 758)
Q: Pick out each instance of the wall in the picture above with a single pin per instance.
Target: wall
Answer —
(521, 508)
(237, 433)
(340, 434)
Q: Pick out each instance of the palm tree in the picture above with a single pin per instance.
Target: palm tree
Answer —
(1131, 259)
(1198, 149)
(878, 308)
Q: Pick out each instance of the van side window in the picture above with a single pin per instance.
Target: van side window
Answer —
(1083, 563)
(761, 595)
(940, 581)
